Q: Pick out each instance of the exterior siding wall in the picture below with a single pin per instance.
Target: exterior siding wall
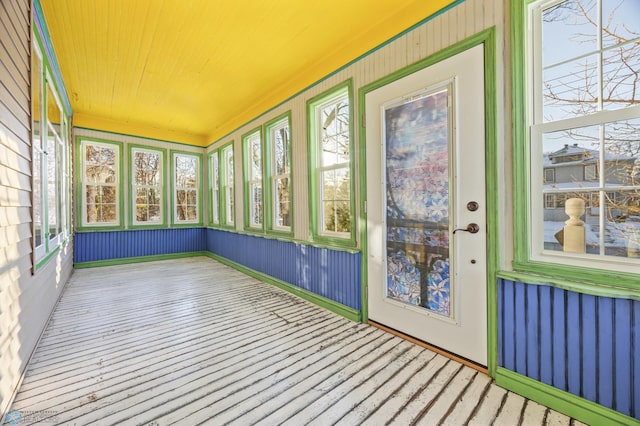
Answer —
(98, 246)
(25, 299)
(332, 274)
(585, 345)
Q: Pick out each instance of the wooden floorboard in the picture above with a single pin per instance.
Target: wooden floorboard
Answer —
(192, 341)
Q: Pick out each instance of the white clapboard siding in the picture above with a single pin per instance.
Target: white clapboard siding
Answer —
(192, 341)
(26, 300)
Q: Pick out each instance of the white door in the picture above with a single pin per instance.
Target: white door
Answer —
(425, 179)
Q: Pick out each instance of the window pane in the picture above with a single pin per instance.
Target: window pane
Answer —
(147, 168)
(281, 150)
(282, 204)
(186, 171)
(622, 153)
(37, 196)
(215, 185)
(335, 199)
(334, 119)
(571, 89)
(255, 158)
(569, 155)
(569, 23)
(255, 204)
(621, 67)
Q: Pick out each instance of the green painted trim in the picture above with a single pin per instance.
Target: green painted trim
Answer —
(574, 406)
(41, 31)
(345, 66)
(200, 221)
(576, 287)
(141, 138)
(138, 259)
(79, 187)
(488, 39)
(222, 166)
(268, 189)
(321, 301)
(520, 133)
(45, 259)
(312, 145)
(246, 165)
(289, 240)
(163, 189)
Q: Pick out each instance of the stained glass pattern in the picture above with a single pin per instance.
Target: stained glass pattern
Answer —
(417, 202)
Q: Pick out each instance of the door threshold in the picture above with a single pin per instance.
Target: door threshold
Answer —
(436, 349)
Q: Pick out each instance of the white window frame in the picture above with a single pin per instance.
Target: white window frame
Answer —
(57, 160)
(177, 188)
(134, 186)
(538, 128)
(118, 190)
(228, 185)
(322, 169)
(254, 180)
(274, 177)
(214, 167)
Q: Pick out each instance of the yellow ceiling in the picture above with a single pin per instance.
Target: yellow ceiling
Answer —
(195, 70)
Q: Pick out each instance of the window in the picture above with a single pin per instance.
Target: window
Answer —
(227, 184)
(50, 173)
(549, 175)
(214, 175)
(331, 163)
(100, 183)
(279, 174)
(38, 152)
(186, 184)
(147, 186)
(253, 180)
(582, 62)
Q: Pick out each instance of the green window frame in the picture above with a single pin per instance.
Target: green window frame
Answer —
(186, 184)
(331, 164)
(214, 188)
(147, 187)
(253, 167)
(572, 103)
(279, 187)
(100, 188)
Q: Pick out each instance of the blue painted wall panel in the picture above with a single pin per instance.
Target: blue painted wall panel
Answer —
(589, 348)
(329, 273)
(533, 329)
(558, 337)
(96, 246)
(586, 345)
(546, 333)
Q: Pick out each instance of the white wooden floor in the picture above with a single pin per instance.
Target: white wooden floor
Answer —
(192, 341)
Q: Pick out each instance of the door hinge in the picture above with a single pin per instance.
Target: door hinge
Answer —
(364, 120)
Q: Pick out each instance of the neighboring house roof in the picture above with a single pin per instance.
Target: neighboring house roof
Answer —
(574, 154)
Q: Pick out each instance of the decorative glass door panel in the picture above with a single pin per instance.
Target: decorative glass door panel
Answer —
(417, 140)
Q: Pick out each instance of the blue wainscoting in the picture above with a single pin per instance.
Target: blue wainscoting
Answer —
(583, 344)
(332, 274)
(100, 246)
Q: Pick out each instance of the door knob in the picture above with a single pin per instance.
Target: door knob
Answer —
(472, 206)
(472, 228)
